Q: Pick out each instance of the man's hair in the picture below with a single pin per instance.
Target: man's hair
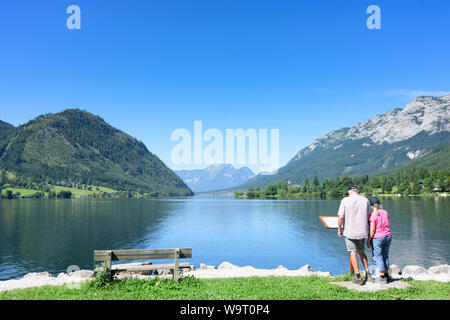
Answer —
(352, 188)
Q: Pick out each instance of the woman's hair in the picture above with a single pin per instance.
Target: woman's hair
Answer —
(374, 202)
(378, 206)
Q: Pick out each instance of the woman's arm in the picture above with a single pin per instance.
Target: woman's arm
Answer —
(371, 233)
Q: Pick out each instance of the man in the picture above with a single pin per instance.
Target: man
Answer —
(354, 213)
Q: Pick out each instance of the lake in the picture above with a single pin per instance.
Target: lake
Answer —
(50, 235)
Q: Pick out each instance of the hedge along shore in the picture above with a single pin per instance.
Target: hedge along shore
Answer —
(439, 273)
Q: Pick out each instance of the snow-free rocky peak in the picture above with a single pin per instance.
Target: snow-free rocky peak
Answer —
(425, 113)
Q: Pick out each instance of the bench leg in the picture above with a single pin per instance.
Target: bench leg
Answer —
(108, 265)
(176, 269)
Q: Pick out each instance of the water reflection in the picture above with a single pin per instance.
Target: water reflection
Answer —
(49, 235)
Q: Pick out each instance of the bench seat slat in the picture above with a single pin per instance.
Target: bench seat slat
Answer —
(149, 267)
(152, 267)
(118, 257)
(144, 251)
(100, 255)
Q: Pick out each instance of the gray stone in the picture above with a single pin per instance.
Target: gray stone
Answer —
(305, 268)
(439, 273)
(37, 274)
(82, 274)
(227, 265)
(205, 267)
(394, 270)
(322, 273)
(414, 271)
(442, 269)
(280, 267)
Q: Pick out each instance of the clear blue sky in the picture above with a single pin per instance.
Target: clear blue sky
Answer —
(150, 67)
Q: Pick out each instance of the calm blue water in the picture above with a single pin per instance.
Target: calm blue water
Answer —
(50, 235)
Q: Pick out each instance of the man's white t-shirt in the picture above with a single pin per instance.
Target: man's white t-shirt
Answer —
(355, 209)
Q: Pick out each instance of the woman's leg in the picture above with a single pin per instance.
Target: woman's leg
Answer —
(386, 246)
(378, 255)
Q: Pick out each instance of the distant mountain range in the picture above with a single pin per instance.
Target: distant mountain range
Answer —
(215, 177)
(77, 146)
(382, 143)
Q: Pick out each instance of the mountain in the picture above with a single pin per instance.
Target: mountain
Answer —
(438, 158)
(384, 142)
(5, 126)
(215, 177)
(77, 146)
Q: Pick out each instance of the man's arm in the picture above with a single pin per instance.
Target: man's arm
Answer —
(340, 220)
(341, 214)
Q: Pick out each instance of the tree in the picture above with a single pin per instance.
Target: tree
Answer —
(239, 194)
(9, 194)
(306, 185)
(403, 187)
(282, 186)
(428, 183)
(270, 190)
(415, 187)
(64, 194)
(386, 185)
(316, 183)
(251, 194)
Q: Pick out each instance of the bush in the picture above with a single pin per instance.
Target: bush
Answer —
(101, 278)
(64, 194)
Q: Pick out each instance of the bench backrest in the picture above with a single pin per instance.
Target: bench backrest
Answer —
(144, 254)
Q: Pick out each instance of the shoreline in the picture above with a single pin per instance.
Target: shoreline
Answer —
(390, 196)
(440, 273)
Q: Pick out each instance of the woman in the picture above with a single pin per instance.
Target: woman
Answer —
(379, 238)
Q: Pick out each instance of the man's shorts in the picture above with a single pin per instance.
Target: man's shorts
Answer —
(354, 244)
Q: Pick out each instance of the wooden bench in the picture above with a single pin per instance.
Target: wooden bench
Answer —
(145, 254)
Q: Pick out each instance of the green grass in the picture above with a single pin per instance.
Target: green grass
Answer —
(76, 193)
(80, 192)
(253, 288)
(23, 192)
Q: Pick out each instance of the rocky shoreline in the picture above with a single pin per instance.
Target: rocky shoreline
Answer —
(224, 270)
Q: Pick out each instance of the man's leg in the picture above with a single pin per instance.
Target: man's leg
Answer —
(363, 257)
(351, 266)
(351, 247)
(354, 262)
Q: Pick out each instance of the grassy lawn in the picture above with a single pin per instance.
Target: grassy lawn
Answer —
(80, 192)
(254, 288)
(75, 191)
(23, 192)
